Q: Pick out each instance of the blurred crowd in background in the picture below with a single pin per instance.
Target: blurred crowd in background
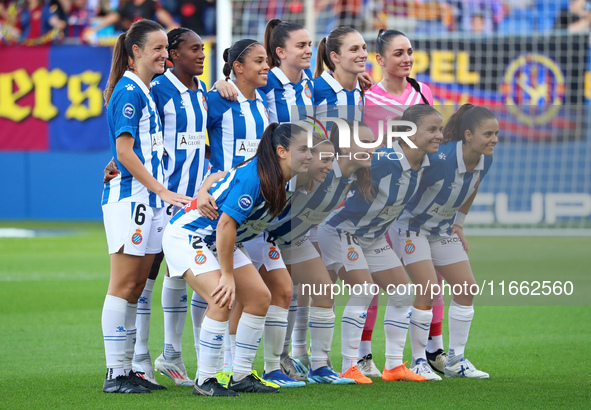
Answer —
(34, 22)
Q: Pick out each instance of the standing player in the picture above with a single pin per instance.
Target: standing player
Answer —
(429, 234)
(206, 255)
(387, 100)
(133, 201)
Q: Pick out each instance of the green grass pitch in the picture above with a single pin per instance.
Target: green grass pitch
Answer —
(51, 352)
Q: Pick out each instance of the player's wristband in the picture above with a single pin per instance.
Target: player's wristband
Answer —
(460, 218)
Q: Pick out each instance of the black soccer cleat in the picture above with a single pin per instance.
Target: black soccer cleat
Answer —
(437, 360)
(136, 377)
(211, 387)
(250, 384)
(123, 384)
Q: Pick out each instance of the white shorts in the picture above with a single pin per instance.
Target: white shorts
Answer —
(184, 251)
(264, 253)
(313, 234)
(169, 212)
(135, 226)
(300, 250)
(413, 247)
(341, 249)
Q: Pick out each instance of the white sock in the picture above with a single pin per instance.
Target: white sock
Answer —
(142, 322)
(351, 328)
(460, 319)
(230, 347)
(211, 341)
(274, 336)
(420, 323)
(130, 337)
(248, 337)
(364, 348)
(321, 332)
(174, 304)
(198, 308)
(291, 319)
(300, 332)
(114, 334)
(434, 343)
(396, 322)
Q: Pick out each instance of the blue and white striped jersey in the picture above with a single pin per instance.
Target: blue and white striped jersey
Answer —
(332, 100)
(238, 194)
(132, 110)
(308, 210)
(283, 96)
(235, 128)
(394, 182)
(444, 188)
(184, 120)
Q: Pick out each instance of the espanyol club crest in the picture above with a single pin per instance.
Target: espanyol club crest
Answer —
(200, 258)
(137, 238)
(477, 183)
(352, 255)
(204, 102)
(273, 253)
(360, 103)
(307, 91)
(409, 247)
(266, 113)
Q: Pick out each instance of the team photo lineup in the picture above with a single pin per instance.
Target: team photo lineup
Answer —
(315, 177)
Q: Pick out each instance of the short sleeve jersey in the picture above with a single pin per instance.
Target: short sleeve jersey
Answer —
(332, 100)
(289, 101)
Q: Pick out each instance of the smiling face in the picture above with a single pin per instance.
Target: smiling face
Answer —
(299, 156)
(428, 135)
(189, 56)
(398, 58)
(321, 164)
(254, 70)
(484, 138)
(352, 55)
(152, 57)
(297, 52)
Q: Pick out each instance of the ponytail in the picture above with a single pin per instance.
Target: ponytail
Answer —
(119, 65)
(468, 117)
(276, 34)
(415, 84)
(330, 43)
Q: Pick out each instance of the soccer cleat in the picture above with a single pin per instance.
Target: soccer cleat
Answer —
(402, 374)
(277, 377)
(140, 379)
(264, 381)
(325, 375)
(223, 378)
(423, 369)
(211, 387)
(174, 369)
(368, 367)
(145, 368)
(464, 368)
(250, 384)
(304, 361)
(437, 360)
(123, 384)
(293, 368)
(355, 374)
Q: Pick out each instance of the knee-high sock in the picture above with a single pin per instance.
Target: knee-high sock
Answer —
(351, 328)
(248, 338)
(142, 322)
(198, 308)
(274, 336)
(291, 319)
(321, 333)
(460, 319)
(114, 334)
(212, 342)
(396, 322)
(435, 333)
(300, 332)
(130, 337)
(370, 323)
(174, 304)
(419, 332)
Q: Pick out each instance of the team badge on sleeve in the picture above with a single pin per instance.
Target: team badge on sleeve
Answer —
(273, 253)
(200, 258)
(352, 255)
(137, 238)
(245, 202)
(409, 247)
(128, 111)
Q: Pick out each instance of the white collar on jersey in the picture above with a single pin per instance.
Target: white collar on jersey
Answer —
(404, 161)
(462, 165)
(133, 77)
(339, 174)
(283, 78)
(241, 97)
(334, 84)
(180, 86)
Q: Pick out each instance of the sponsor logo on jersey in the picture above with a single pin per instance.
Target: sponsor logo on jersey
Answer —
(442, 156)
(441, 211)
(245, 202)
(130, 87)
(409, 247)
(352, 255)
(273, 253)
(128, 111)
(200, 258)
(137, 238)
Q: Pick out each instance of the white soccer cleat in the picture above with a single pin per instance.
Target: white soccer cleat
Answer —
(174, 369)
(437, 360)
(423, 369)
(293, 369)
(368, 367)
(464, 368)
(145, 371)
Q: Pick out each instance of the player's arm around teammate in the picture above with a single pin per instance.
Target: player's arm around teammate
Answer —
(132, 202)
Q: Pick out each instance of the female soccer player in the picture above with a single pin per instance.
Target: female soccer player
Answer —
(133, 201)
(353, 244)
(429, 234)
(388, 99)
(205, 253)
